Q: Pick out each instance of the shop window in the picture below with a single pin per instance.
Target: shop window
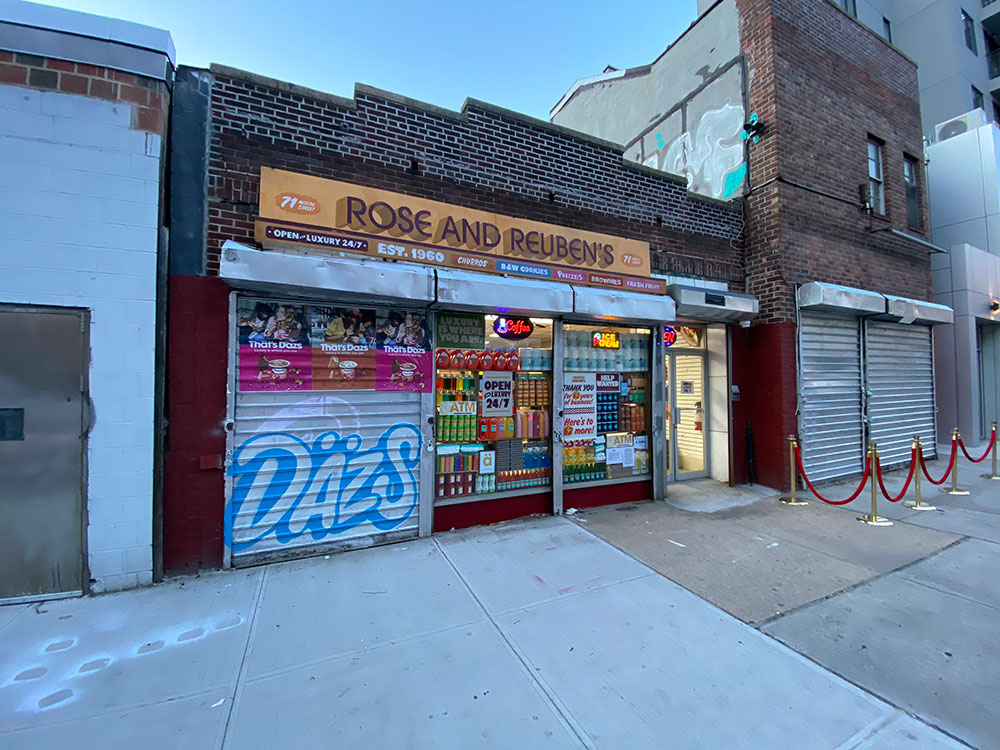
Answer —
(910, 177)
(876, 189)
(494, 405)
(606, 403)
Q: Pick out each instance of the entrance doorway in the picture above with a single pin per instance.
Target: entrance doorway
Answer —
(686, 453)
(42, 434)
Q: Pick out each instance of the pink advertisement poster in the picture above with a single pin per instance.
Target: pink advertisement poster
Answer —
(404, 370)
(275, 354)
(404, 359)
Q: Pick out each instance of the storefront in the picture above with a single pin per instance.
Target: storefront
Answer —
(438, 396)
(866, 374)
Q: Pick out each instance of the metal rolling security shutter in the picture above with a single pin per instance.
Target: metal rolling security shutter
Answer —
(900, 380)
(322, 470)
(831, 424)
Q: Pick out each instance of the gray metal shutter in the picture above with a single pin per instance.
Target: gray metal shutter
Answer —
(900, 379)
(318, 470)
(831, 424)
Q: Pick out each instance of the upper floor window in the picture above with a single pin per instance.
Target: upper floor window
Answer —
(887, 29)
(912, 192)
(851, 6)
(876, 190)
(970, 32)
(978, 102)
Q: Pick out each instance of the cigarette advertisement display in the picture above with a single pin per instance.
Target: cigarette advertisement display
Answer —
(294, 347)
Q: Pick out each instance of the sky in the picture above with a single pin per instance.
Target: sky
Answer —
(517, 54)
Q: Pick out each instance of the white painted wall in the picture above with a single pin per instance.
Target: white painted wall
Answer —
(718, 402)
(78, 227)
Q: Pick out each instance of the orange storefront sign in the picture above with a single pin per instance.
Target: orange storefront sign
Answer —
(307, 211)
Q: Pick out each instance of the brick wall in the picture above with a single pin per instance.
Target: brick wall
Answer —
(79, 226)
(823, 83)
(483, 158)
(147, 98)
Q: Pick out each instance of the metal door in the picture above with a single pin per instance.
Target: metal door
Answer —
(687, 417)
(899, 373)
(831, 418)
(42, 397)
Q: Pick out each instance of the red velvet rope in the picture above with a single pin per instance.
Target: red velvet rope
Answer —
(906, 485)
(864, 480)
(951, 463)
(993, 439)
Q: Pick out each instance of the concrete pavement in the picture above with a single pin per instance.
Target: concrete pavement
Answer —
(532, 634)
(909, 612)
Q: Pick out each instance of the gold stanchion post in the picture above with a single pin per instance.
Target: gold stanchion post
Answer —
(873, 518)
(791, 499)
(994, 475)
(954, 490)
(917, 504)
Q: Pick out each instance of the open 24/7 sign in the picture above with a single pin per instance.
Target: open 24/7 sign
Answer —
(497, 391)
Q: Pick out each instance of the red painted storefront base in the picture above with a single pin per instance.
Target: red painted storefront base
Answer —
(484, 512)
(593, 497)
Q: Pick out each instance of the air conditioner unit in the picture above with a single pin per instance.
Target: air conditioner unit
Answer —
(961, 124)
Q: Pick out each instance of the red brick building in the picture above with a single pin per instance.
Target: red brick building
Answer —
(271, 457)
(814, 119)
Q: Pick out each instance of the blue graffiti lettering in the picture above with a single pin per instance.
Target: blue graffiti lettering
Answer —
(353, 486)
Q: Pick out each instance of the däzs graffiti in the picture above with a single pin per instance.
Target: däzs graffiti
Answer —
(324, 488)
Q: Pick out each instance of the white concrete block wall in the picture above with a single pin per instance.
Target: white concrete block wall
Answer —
(78, 228)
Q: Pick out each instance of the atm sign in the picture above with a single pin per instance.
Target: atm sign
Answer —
(605, 340)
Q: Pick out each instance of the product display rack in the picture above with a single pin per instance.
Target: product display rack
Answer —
(487, 456)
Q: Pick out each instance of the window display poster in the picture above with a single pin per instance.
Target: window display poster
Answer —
(609, 382)
(274, 351)
(293, 347)
(580, 406)
(497, 392)
(404, 359)
(343, 348)
(461, 331)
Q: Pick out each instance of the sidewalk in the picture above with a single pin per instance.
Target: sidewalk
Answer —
(531, 634)
(909, 612)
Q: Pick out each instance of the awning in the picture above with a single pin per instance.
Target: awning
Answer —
(466, 290)
(607, 304)
(819, 296)
(364, 280)
(712, 304)
(914, 311)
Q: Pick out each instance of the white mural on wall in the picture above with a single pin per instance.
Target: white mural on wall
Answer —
(710, 154)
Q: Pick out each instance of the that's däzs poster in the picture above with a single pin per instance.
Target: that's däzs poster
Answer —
(274, 351)
(403, 358)
(343, 348)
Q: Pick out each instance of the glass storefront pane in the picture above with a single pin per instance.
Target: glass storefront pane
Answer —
(606, 403)
(493, 404)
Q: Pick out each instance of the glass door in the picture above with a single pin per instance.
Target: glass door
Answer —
(686, 412)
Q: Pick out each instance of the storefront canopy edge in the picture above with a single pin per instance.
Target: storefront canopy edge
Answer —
(365, 281)
(915, 311)
(605, 304)
(465, 290)
(712, 304)
(819, 296)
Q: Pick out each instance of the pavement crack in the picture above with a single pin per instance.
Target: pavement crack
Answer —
(567, 718)
(251, 630)
(760, 624)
